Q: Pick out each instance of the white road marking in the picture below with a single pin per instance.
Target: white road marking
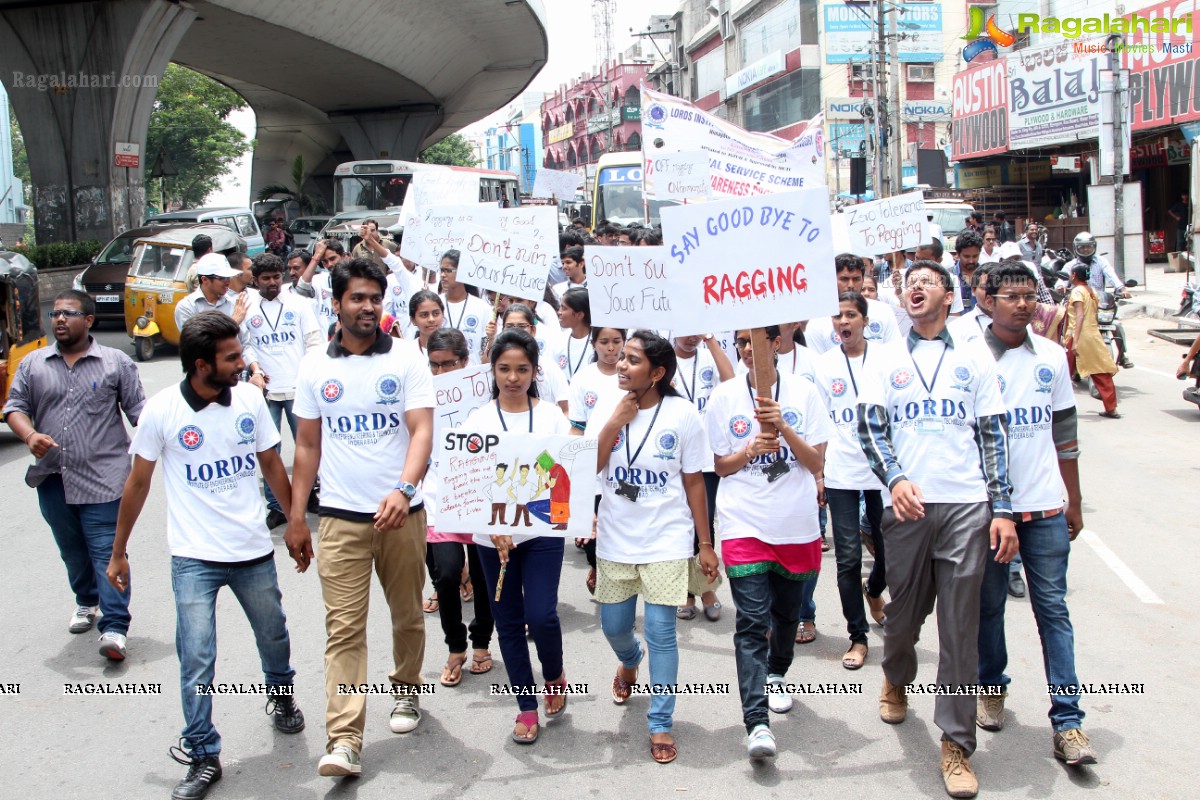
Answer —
(1135, 584)
(1155, 372)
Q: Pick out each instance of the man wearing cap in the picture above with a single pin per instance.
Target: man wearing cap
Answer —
(212, 294)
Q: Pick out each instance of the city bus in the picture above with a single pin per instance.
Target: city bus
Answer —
(617, 195)
(381, 184)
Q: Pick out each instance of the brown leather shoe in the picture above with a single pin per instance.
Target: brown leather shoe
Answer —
(893, 703)
(957, 773)
(1072, 746)
(874, 605)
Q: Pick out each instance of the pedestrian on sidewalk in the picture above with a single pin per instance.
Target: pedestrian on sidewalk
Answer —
(211, 432)
(1088, 355)
(65, 404)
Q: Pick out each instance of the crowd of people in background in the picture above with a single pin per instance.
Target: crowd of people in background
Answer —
(892, 423)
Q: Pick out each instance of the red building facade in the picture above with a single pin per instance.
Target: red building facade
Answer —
(592, 116)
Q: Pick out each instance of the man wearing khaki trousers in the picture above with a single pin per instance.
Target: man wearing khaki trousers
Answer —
(364, 409)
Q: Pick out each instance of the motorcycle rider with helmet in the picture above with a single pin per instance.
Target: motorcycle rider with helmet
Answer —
(1101, 274)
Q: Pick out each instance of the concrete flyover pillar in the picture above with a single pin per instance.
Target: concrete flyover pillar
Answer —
(82, 77)
(388, 133)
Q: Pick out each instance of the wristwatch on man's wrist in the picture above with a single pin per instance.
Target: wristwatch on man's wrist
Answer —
(407, 488)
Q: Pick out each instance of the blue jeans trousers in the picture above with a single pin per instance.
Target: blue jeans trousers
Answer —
(256, 588)
(529, 597)
(616, 619)
(84, 533)
(764, 638)
(1045, 547)
(279, 410)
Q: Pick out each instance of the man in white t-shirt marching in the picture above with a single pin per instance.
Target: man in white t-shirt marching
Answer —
(364, 411)
(211, 432)
(1043, 448)
(931, 421)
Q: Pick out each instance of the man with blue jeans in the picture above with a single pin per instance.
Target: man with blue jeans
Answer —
(281, 327)
(1043, 447)
(65, 404)
(211, 433)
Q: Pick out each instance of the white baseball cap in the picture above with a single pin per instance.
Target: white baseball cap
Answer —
(215, 265)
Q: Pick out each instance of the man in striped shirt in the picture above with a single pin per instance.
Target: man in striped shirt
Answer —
(66, 404)
(931, 422)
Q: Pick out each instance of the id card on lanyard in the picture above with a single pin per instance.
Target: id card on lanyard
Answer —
(631, 491)
(926, 426)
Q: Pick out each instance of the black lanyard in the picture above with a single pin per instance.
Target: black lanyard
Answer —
(929, 387)
(691, 393)
(850, 369)
(778, 381)
(504, 424)
(578, 363)
(268, 319)
(646, 438)
(457, 327)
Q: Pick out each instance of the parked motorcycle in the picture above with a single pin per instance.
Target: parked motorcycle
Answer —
(1053, 274)
(1189, 302)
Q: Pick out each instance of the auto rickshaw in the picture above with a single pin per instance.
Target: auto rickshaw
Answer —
(20, 315)
(160, 276)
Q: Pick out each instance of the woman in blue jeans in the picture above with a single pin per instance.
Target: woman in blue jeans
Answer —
(767, 513)
(652, 452)
(847, 475)
(529, 596)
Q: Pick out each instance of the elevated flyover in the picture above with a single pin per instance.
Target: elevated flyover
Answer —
(337, 81)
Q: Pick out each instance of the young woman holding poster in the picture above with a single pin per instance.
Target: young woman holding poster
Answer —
(575, 318)
(532, 564)
(652, 450)
(699, 370)
(767, 512)
(593, 382)
(552, 385)
(427, 312)
(464, 310)
(444, 554)
(847, 476)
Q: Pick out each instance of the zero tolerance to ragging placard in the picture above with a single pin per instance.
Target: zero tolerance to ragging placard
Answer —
(516, 483)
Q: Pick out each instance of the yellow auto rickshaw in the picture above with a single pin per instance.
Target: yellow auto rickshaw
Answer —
(20, 315)
(159, 278)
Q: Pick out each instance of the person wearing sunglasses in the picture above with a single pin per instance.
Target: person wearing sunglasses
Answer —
(66, 404)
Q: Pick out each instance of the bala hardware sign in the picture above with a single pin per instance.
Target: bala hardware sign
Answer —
(516, 483)
(754, 261)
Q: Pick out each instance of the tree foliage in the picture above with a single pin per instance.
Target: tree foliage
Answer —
(454, 151)
(189, 126)
(20, 155)
(308, 203)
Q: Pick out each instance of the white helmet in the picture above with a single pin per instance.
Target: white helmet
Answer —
(1084, 246)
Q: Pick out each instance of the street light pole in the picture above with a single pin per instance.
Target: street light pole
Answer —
(881, 115)
(895, 141)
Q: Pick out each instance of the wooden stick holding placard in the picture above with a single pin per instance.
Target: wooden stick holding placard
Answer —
(764, 365)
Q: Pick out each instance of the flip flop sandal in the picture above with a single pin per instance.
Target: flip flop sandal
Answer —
(530, 720)
(431, 605)
(478, 662)
(621, 689)
(466, 591)
(805, 635)
(452, 673)
(556, 688)
(590, 583)
(663, 752)
(686, 612)
(713, 612)
(851, 661)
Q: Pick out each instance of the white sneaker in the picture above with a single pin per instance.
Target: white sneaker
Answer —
(112, 645)
(405, 714)
(778, 700)
(760, 743)
(342, 762)
(83, 619)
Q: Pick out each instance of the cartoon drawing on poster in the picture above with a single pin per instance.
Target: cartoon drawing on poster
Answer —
(515, 482)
